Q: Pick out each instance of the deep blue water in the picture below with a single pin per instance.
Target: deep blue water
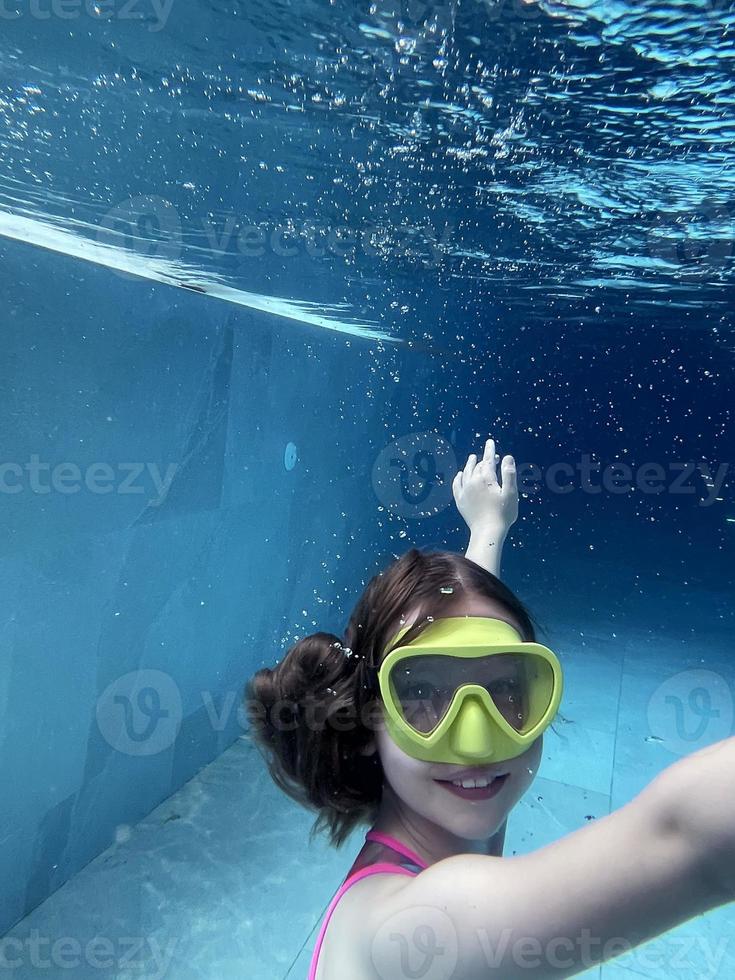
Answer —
(547, 161)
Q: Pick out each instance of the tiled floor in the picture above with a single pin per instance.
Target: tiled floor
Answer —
(221, 882)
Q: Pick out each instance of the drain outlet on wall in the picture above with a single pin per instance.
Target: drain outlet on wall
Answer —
(290, 456)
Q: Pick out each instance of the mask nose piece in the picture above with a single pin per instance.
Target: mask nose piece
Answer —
(472, 732)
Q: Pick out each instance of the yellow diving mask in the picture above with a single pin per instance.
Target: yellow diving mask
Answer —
(468, 689)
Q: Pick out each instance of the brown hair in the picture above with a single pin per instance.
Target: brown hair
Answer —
(307, 714)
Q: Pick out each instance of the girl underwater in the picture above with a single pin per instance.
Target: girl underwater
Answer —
(426, 724)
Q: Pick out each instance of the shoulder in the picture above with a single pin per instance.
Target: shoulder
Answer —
(346, 946)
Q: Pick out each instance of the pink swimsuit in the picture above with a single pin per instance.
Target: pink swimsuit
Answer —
(385, 862)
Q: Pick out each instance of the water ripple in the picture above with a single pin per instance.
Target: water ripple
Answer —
(530, 146)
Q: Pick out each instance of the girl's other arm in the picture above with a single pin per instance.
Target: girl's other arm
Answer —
(489, 508)
(660, 860)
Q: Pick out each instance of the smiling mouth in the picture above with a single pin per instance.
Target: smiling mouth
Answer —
(478, 775)
(483, 792)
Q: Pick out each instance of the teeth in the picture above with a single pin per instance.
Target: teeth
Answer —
(473, 783)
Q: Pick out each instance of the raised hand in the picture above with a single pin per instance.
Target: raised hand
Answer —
(484, 503)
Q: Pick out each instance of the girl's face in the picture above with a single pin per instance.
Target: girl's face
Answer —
(417, 785)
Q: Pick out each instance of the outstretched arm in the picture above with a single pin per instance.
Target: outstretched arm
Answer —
(489, 508)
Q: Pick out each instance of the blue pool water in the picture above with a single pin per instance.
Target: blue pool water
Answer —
(270, 272)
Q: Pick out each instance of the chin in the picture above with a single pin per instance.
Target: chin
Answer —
(474, 827)
(469, 820)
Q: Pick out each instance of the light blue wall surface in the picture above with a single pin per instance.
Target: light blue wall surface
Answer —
(98, 368)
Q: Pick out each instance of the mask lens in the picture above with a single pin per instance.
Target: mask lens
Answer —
(520, 685)
(422, 690)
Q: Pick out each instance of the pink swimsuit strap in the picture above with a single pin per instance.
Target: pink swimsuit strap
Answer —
(395, 845)
(371, 869)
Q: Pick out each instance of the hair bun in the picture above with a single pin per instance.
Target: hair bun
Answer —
(312, 664)
(309, 669)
